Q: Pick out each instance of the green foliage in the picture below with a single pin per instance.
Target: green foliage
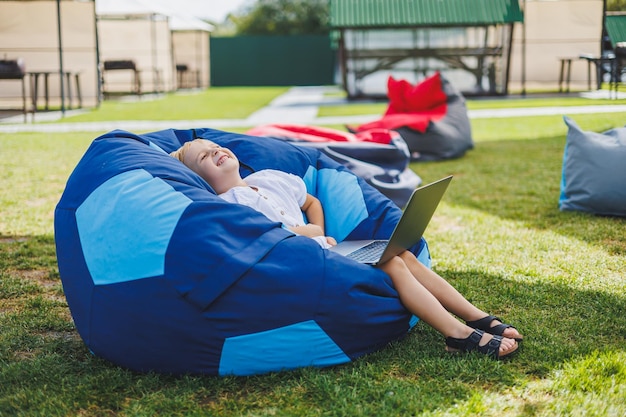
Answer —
(284, 17)
(616, 5)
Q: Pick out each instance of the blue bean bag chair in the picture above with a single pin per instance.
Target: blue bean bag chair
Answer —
(594, 171)
(161, 274)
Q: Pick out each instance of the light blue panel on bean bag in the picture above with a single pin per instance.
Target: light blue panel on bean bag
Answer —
(342, 198)
(289, 347)
(594, 171)
(151, 211)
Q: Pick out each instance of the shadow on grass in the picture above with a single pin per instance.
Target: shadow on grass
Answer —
(46, 370)
(524, 186)
(559, 322)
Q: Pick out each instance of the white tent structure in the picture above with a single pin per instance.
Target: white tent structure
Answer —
(156, 40)
(190, 40)
(132, 34)
(57, 44)
(554, 30)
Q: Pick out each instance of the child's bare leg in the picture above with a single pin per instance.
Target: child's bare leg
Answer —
(421, 302)
(446, 294)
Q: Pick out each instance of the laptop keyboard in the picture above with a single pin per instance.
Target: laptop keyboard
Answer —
(369, 253)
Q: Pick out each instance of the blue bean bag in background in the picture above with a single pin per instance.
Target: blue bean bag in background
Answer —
(379, 156)
(594, 171)
(161, 274)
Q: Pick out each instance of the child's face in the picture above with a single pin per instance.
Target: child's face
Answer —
(215, 164)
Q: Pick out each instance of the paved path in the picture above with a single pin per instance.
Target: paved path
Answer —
(298, 106)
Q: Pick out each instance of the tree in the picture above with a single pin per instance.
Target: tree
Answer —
(283, 17)
(615, 5)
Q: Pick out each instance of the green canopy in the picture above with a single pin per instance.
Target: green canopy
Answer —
(424, 13)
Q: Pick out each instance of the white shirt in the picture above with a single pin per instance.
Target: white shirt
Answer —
(276, 194)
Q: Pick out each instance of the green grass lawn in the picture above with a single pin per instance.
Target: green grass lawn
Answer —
(498, 236)
(379, 107)
(213, 103)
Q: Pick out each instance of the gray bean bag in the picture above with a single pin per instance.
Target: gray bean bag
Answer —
(594, 171)
(431, 117)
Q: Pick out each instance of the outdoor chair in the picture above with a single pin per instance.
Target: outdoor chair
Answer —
(14, 69)
(431, 116)
(592, 178)
(163, 275)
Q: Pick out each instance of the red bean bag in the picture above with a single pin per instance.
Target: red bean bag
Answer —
(430, 116)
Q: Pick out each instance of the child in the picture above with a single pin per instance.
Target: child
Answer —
(282, 197)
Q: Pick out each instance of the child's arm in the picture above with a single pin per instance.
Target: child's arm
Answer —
(314, 211)
(315, 215)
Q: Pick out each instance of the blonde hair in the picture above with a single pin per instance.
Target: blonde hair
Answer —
(180, 152)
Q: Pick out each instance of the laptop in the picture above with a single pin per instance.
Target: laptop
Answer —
(409, 230)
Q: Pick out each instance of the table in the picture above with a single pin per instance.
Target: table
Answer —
(599, 62)
(565, 73)
(34, 84)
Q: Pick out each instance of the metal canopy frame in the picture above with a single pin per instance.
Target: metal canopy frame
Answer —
(486, 56)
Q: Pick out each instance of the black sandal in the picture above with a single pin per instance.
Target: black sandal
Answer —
(498, 329)
(472, 343)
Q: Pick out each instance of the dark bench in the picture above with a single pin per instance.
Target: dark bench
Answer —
(187, 77)
(14, 69)
(121, 65)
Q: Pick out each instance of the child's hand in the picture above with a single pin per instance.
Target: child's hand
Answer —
(313, 230)
(309, 230)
